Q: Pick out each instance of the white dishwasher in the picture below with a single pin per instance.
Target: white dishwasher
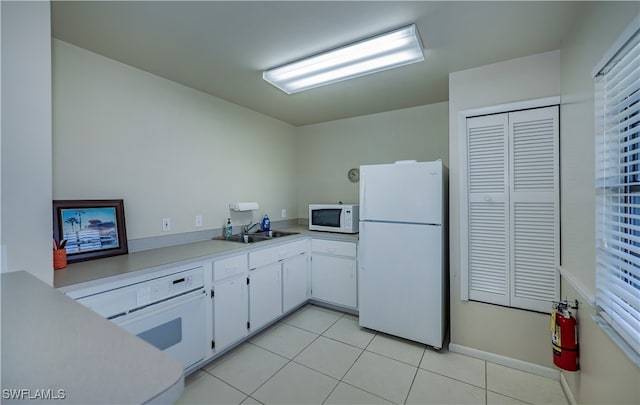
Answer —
(168, 312)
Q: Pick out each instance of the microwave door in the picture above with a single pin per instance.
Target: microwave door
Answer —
(326, 217)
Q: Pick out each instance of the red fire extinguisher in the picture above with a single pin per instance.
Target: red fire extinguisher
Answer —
(564, 336)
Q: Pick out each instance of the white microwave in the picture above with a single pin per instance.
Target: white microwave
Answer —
(342, 218)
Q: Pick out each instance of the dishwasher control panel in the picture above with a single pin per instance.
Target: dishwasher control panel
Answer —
(123, 300)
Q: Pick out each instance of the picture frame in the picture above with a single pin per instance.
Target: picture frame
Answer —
(93, 229)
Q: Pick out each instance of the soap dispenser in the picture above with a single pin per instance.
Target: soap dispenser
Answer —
(228, 229)
(266, 223)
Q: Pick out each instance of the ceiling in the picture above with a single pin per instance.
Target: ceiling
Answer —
(221, 48)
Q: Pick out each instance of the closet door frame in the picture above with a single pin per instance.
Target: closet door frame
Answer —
(463, 115)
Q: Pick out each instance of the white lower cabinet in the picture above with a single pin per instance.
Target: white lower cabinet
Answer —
(334, 272)
(278, 281)
(230, 312)
(230, 298)
(248, 291)
(265, 295)
(295, 281)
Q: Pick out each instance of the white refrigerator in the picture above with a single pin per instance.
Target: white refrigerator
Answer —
(402, 267)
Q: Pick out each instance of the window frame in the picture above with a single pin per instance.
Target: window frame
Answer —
(617, 194)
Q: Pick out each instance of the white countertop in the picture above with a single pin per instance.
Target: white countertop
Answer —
(96, 271)
(50, 342)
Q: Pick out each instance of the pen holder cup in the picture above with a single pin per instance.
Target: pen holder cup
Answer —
(59, 259)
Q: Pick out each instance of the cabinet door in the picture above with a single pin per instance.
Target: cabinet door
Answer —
(486, 251)
(230, 312)
(295, 281)
(333, 279)
(265, 295)
(535, 220)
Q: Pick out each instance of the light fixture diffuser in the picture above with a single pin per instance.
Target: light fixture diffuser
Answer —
(382, 52)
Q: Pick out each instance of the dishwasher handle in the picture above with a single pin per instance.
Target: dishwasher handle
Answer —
(159, 307)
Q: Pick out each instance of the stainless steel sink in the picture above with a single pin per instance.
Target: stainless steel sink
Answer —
(239, 238)
(274, 234)
(256, 237)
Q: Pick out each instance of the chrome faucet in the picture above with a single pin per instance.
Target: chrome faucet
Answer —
(248, 227)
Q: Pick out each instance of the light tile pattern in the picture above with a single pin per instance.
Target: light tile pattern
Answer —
(463, 368)
(399, 349)
(381, 376)
(321, 356)
(296, 384)
(329, 357)
(345, 394)
(432, 388)
(347, 330)
(285, 340)
(207, 389)
(524, 386)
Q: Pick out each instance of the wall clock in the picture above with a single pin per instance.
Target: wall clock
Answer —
(354, 175)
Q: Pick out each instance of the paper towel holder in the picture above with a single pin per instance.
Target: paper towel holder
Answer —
(244, 206)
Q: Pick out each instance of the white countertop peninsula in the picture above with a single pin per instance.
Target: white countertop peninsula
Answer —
(55, 348)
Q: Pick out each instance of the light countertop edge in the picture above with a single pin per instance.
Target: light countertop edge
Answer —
(50, 342)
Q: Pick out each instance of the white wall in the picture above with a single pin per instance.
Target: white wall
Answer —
(326, 151)
(166, 149)
(508, 332)
(607, 375)
(26, 138)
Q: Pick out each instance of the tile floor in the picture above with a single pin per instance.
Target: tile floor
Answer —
(320, 356)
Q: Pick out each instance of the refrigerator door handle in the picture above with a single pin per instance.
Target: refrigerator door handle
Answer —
(361, 228)
(363, 187)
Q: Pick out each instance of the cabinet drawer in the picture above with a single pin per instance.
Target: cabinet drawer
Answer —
(276, 253)
(333, 247)
(232, 266)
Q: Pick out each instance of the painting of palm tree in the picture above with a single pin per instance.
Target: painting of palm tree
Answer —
(89, 229)
(92, 229)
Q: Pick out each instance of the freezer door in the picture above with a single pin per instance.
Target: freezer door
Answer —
(401, 275)
(402, 192)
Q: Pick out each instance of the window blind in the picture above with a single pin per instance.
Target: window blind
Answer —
(617, 91)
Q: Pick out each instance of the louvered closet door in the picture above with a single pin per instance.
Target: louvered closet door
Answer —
(487, 256)
(534, 244)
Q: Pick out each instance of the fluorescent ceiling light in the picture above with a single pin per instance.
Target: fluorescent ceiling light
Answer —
(382, 52)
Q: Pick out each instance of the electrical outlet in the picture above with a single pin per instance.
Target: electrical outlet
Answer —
(198, 220)
(284, 213)
(166, 224)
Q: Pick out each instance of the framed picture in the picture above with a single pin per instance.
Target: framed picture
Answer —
(92, 228)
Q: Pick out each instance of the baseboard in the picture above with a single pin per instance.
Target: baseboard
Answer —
(567, 390)
(333, 306)
(507, 361)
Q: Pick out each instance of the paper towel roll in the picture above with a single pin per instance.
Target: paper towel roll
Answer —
(244, 206)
